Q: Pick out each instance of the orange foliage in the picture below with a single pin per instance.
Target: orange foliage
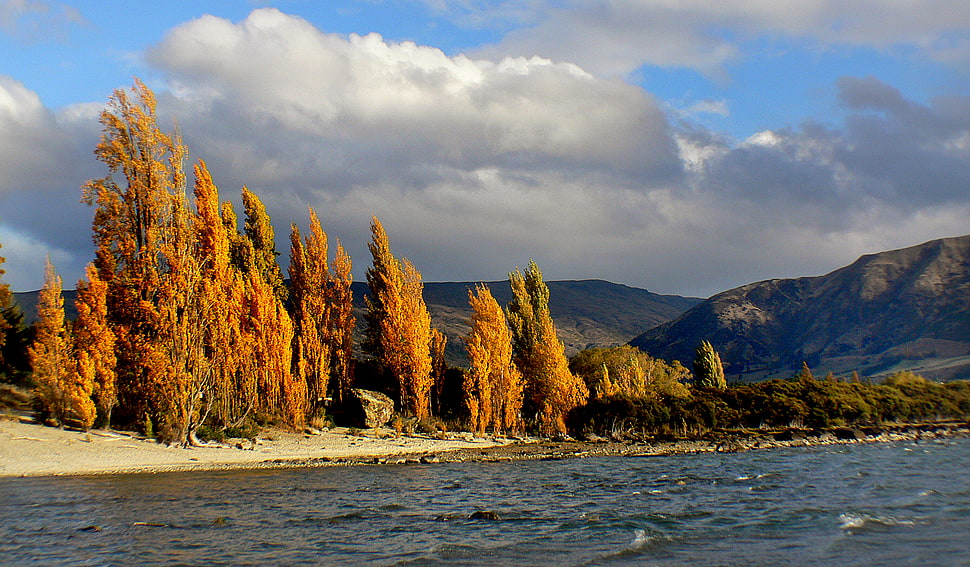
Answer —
(64, 392)
(551, 389)
(399, 325)
(94, 343)
(493, 385)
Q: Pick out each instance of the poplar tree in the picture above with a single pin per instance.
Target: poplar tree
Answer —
(340, 327)
(398, 323)
(94, 343)
(551, 390)
(229, 398)
(64, 393)
(259, 231)
(135, 208)
(493, 384)
(309, 279)
(708, 370)
(322, 311)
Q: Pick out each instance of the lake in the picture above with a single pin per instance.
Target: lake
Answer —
(861, 504)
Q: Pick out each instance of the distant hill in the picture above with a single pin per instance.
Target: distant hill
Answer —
(901, 309)
(587, 312)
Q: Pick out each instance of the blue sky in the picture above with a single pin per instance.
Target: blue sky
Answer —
(685, 147)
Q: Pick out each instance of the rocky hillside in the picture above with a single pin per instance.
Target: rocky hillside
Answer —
(902, 309)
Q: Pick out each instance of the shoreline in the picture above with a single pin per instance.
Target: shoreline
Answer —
(28, 449)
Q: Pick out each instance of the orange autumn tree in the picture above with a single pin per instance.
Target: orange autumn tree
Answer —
(64, 392)
(322, 312)
(134, 210)
(94, 343)
(308, 272)
(398, 324)
(340, 326)
(267, 326)
(493, 384)
(551, 390)
(231, 397)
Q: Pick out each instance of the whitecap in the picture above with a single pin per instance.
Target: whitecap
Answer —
(857, 522)
(640, 540)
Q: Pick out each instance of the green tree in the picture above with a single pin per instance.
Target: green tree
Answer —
(708, 370)
(551, 390)
(259, 230)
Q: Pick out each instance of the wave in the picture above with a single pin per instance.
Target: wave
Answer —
(862, 522)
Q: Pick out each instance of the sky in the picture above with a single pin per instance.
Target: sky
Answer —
(682, 146)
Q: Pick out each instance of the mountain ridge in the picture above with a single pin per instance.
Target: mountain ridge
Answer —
(907, 308)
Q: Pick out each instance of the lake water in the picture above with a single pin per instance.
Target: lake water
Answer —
(877, 504)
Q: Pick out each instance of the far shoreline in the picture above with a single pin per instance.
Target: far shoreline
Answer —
(32, 450)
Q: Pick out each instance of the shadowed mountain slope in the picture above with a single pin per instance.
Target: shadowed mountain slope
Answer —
(587, 313)
(901, 309)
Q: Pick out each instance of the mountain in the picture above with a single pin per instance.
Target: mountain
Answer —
(901, 309)
(587, 313)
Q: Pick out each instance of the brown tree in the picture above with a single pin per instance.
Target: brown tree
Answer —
(398, 324)
(551, 390)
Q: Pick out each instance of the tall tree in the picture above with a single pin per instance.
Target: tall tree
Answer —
(94, 343)
(133, 215)
(322, 311)
(341, 324)
(551, 390)
(259, 231)
(493, 384)
(228, 397)
(708, 370)
(398, 323)
(308, 283)
(64, 393)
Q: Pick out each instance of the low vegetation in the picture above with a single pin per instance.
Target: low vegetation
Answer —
(798, 402)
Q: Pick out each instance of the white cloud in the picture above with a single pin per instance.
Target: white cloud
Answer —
(615, 37)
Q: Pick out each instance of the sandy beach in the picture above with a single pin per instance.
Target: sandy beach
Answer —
(29, 449)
